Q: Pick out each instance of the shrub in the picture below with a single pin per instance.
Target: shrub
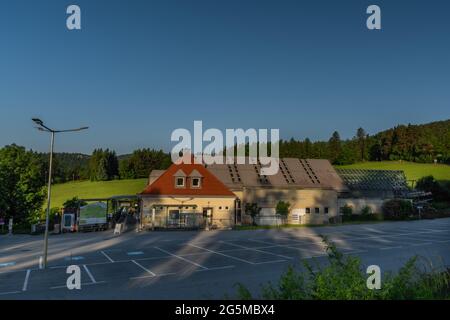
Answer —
(397, 209)
(252, 210)
(347, 210)
(74, 203)
(283, 208)
(366, 211)
(440, 190)
(343, 278)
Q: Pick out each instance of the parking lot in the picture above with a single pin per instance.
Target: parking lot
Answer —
(202, 265)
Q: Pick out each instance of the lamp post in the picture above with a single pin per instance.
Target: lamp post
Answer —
(42, 127)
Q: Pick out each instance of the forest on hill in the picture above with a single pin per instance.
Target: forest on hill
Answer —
(424, 143)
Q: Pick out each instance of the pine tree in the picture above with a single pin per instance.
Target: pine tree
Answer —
(335, 147)
(361, 136)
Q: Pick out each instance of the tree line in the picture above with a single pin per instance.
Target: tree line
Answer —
(417, 143)
(106, 165)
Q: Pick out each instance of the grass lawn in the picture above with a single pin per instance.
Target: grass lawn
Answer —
(413, 171)
(87, 189)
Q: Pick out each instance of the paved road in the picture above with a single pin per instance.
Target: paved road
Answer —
(202, 265)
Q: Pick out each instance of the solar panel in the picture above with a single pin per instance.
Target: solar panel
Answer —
(383, 180)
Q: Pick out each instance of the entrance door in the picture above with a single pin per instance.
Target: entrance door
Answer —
(208, 216)
(68, 222)
(238, 212)
(174, 219)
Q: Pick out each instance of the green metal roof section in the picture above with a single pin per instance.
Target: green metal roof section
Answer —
(380, 180)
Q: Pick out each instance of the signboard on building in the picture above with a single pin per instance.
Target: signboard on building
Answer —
(93, 214)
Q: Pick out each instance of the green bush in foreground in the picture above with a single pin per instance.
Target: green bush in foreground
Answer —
(397, 209)
(344, 279)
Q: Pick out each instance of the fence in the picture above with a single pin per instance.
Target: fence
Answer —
(188, 221)
(270, 220)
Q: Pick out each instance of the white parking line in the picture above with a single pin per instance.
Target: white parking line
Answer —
(181, 258)
(222, 254)
(433, 230)
(421, 244)
(373, 230)
(258, 250)
(107, 257)
(428, 237)
(8, 293)
(314, 256)
(7, 264)
(287, 246)
(77, 258)
(269, 262)
(143, 268)
(442, 241)
(410, 238)
(391, 248)
(152, 277)
(354, 251)
(25, 283)
(89, 274)
(135, 253)
(218, 268)
(82, 285)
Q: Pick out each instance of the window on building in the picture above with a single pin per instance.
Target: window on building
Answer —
(196, 183)
(180, 182)
(308, 210)
(317, 210)
(327, 210)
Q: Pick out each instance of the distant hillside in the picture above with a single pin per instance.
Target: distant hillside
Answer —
(419, 143)
(416, 143)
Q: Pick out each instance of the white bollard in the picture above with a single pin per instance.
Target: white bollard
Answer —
(10, 227)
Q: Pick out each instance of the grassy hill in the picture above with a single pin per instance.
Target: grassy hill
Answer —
(413, 171)
(87, 189)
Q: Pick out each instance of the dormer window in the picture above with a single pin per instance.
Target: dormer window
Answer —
(196, 179)
(196, 182)
(180, 179)
(180, 182)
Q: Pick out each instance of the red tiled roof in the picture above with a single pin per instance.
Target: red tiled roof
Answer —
(165, 184)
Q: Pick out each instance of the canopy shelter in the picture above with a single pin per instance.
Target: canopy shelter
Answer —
(103, 213)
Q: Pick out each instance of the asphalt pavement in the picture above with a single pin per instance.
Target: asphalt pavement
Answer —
(205, 264)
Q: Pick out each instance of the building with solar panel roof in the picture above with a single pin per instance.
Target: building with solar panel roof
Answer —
(315, 190)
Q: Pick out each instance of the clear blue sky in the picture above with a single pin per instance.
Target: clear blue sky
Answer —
(140, 69)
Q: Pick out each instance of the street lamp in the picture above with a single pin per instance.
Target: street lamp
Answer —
(42, 127)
